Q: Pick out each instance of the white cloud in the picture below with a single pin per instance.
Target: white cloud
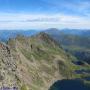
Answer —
(40, 21)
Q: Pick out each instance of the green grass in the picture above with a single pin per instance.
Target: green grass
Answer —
(23, 87)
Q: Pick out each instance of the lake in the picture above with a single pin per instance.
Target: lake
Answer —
(69, 85)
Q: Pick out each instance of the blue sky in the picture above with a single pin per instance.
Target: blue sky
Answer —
(42, 14)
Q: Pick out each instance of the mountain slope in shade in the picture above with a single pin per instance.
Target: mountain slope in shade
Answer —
(71, 37)
(76, 42)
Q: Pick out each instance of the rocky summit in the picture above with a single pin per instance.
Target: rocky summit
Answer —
(8, 67)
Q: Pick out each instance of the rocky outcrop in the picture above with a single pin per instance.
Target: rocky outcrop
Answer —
(8, 67)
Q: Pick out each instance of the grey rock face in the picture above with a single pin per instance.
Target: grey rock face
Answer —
(7, 67)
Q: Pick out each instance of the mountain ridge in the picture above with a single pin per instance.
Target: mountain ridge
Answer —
(38, 62)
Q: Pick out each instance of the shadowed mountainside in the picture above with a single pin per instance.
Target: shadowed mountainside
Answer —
(76, 42)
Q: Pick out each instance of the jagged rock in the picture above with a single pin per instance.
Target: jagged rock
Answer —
(1, 77)
(8, 66)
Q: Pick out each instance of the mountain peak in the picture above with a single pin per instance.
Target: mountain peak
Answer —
(47, 38)
(53, 29)
(43, 35)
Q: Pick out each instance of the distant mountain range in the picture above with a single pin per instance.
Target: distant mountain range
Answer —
(71, 37)
(75, 41)
(78, 32)
(6, 34)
